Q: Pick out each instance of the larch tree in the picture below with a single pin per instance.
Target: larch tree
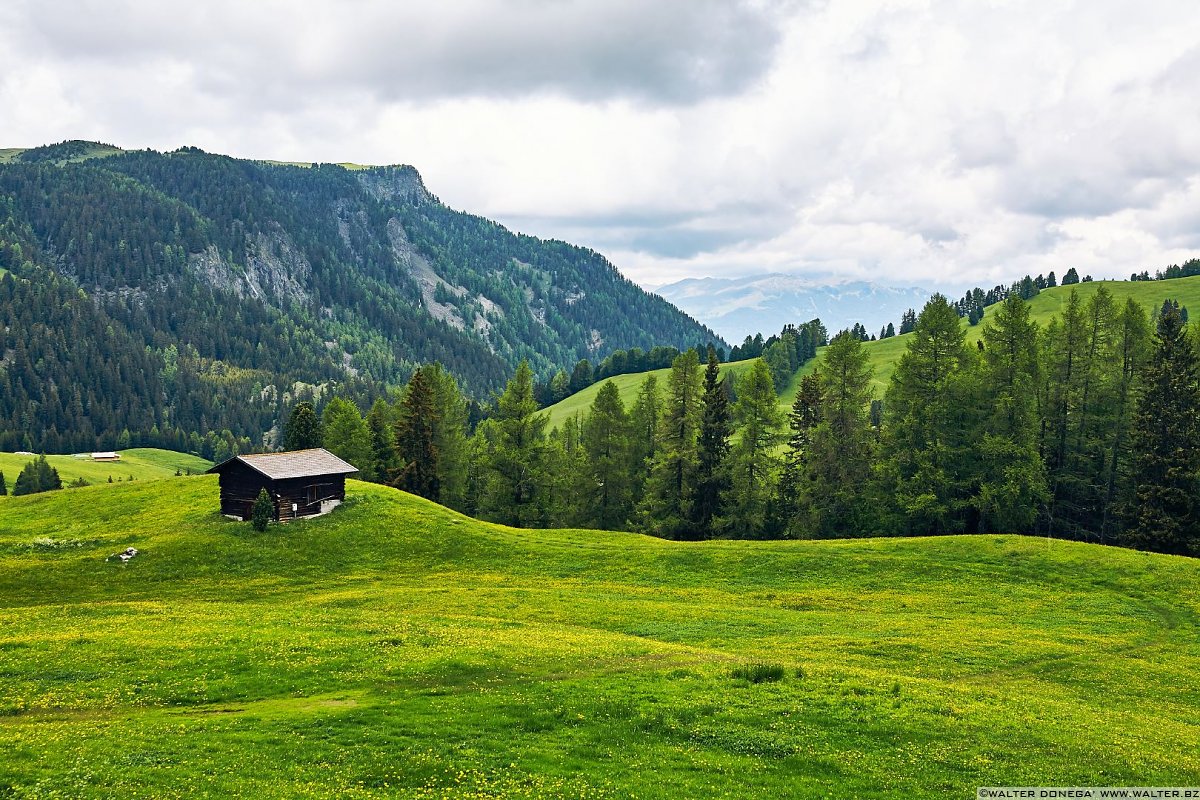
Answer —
(515, 459)
(754, 460)
(841, 451)
(605, 438)
(666, 507)
(449, 434)
(927, 415)
(345, 434)
(643, 434)
(1012, 484)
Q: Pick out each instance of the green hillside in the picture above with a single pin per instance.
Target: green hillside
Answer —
(885, 354)
(143, 463)
(205, 293)
(396, 648)
(627, 386)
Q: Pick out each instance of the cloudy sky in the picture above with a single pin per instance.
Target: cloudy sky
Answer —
(939, 143)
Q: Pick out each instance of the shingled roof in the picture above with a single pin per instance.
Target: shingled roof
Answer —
(296, 464)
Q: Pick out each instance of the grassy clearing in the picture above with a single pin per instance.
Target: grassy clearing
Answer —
(395, 648)
(143, 463)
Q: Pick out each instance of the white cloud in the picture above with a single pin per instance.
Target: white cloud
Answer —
(917, 141)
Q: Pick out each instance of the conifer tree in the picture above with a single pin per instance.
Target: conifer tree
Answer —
(37, 476)
(3, 485)
(643, 434)
(514, 461)
(833, 496)
(1133, 349)
(1012, 482)
(381, 427)
(303, 429)
(605, 442)
(1164, 515)
(927, 411)
(417, 417)
(345, 434)
(802, 419)
(712, 475)
(666, 507)
(566, 482)
(449, 435)
(754, 460)
(262, 511)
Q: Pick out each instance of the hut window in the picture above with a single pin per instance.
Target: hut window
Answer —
(318, 492)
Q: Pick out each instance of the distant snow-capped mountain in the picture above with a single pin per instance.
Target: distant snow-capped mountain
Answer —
(740, 307)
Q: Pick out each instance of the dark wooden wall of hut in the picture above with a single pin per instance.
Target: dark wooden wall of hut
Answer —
(240, 486)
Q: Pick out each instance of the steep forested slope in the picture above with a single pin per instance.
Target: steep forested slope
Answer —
(176, 294)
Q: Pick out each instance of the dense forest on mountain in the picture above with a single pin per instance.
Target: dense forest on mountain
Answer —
(187, 300)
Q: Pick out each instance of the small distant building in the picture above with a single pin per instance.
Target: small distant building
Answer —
(301, 483)
(106, 456)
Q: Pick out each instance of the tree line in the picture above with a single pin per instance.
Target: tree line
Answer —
(1085, 428)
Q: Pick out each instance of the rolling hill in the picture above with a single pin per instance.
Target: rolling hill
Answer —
(142, 463)
(395, 648)
(886, 353)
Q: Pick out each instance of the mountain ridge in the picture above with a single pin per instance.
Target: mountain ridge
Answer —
(264, 283)
(739, 307)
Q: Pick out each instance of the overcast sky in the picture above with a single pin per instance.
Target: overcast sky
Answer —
(938, 143)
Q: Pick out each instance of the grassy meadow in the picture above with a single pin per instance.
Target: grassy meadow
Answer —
(143, 463)
(397, 649)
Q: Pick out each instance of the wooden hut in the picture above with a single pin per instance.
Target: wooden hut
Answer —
(302, 483)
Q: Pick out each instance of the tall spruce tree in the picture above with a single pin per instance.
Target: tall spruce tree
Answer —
(3, 485)
(1133, 347)
(666, 507)
(834, 497)
(754, 460)
(381, 421)
(303, 429)
(1012, 483)
(417, 419)
(712, 474)
(449, 435)
(514, 462)
(928, 418)
(802, 420)
(605, 438)
(643, 433)
(1164, 515)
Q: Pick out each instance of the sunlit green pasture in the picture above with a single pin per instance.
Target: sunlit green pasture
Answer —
(628, 387)
(395, 648)
(143, 463)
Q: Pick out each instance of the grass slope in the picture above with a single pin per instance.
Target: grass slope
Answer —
(143, 463)
(627, 386)
(395, 648)
(885, 354)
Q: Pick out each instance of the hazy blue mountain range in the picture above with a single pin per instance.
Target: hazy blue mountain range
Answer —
(738, 307)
